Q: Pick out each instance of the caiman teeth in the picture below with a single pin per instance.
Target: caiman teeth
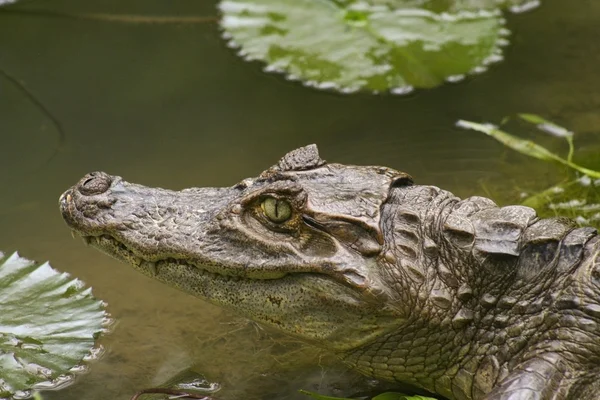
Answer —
(73, 234)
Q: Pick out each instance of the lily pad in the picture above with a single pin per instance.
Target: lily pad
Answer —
(376, 45)
(48, 324)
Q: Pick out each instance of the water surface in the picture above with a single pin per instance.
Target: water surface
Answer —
(172, 106)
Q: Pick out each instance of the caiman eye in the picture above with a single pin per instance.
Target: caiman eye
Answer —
(277, 210)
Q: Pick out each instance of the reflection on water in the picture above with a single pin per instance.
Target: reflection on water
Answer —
(171, 106)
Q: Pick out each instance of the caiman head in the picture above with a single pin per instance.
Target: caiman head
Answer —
(297, 248)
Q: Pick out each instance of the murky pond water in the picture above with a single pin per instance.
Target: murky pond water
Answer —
(172, 106)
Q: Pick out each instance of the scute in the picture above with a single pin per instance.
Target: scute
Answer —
(498, 230)
(541, 244)
(300, 159)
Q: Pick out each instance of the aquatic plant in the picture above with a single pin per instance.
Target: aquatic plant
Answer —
(578, 196)
(49, 325)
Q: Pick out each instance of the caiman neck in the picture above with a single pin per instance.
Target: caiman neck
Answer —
(443, 247)
(414, 247)
(477, 282)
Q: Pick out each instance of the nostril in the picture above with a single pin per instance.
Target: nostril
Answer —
(94, 183)
(87, 182)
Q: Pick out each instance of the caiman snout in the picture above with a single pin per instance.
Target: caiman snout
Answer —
(81, 203)
(94, 183)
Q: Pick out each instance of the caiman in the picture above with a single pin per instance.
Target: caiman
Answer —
(405, 282)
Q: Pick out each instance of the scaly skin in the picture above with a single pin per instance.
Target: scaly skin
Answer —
(406, 283)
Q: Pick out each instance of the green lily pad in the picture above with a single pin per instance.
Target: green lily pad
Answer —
(48, 324)
(379, 45)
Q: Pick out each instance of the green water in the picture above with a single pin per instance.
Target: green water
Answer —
(172, 106)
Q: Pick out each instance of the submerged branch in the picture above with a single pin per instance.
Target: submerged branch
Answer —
(42, 108)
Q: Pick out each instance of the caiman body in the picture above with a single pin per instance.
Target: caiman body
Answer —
(406, 283)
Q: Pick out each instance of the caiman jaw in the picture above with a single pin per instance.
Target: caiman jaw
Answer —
(114, 248)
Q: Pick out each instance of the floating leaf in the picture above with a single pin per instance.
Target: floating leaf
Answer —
(48, 324)
(551, 128)
(526, 147)
(546, 126)
(379, 45)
